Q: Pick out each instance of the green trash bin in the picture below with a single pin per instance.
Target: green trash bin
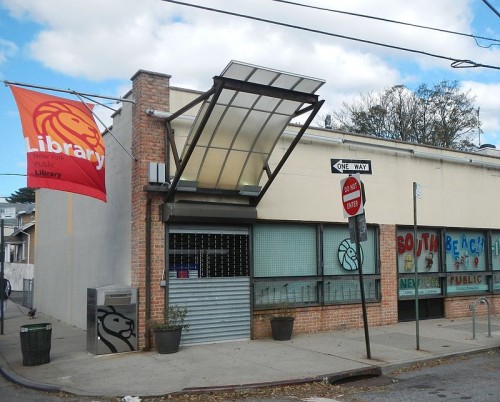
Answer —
(35, 343)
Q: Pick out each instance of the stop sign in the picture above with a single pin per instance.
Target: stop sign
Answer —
(352, 196)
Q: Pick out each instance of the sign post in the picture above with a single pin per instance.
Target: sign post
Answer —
(353, 203)
(5, 213)
(417, 193)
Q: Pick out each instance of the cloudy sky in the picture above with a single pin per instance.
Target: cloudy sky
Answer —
(97, 45)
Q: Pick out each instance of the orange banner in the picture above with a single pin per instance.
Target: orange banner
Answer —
(65, 149)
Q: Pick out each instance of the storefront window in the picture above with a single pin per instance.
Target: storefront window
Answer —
(465, 262)
(341, 270)
(495, 260)
(285, 251)
(427, 261)
(287, 265)
(340, 253)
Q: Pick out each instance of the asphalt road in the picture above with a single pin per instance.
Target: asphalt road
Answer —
(464, 378)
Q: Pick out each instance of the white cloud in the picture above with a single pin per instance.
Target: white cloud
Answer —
(101, 40)
(112, 39)
(487, 97)
(7, 49)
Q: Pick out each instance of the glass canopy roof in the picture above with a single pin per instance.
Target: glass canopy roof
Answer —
(239, 123)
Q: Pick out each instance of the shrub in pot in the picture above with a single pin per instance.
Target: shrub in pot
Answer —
(168, 331)
(282, 323)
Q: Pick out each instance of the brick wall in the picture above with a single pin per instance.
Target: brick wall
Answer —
(458, 307)
(149, 90)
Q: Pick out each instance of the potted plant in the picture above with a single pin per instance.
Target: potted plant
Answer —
(282, 323)
(168, 331)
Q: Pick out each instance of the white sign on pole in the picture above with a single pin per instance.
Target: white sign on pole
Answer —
(7, 213)
(418, 191)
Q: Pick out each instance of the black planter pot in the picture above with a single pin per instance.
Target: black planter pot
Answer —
(282, 328)
(168, 340)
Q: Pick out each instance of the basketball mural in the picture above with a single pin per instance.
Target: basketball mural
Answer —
(65, 150)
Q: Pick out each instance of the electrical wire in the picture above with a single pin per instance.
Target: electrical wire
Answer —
(456, 63)
(475, 37)
(491, 7)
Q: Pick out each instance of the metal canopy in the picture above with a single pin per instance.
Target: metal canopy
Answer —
(237, 127)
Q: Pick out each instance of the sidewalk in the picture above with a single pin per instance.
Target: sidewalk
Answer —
(232, 364)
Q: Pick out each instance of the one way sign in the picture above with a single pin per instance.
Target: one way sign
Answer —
(351, 166)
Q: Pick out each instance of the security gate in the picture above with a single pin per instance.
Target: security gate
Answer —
(209, 274)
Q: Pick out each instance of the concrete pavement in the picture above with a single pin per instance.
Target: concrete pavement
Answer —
(331, 355)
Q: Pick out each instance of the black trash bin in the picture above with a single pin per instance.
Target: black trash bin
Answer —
(35, 343)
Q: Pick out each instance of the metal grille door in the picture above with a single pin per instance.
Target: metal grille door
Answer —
(209, 274)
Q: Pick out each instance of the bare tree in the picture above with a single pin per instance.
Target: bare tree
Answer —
(442, 115)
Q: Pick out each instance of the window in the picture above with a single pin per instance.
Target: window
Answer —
(466, 262)
(285, 264)
(341, 269)
(288, 260)
(495, 260)
(208, 253)
(427, 262)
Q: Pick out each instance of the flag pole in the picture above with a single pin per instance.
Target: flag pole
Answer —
(107, 130)
(68, 91)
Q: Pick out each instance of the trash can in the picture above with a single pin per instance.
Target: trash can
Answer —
(35, 343)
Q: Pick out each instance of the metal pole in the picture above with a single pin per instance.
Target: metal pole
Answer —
(362, 288)
(415, 243)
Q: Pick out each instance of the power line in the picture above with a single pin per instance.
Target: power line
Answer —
(491, 7)
(475, 37)
(456, 63)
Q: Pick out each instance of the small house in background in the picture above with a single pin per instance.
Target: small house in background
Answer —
(19, 246)
(20, 243)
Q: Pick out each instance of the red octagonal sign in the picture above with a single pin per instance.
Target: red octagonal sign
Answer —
(352, 198)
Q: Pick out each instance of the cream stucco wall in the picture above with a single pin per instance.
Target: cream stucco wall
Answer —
(454, 194)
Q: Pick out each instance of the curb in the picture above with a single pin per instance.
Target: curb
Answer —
(333, 378)
(19, 380)
(388, 369)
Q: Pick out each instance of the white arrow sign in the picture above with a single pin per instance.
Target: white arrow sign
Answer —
(351, 166)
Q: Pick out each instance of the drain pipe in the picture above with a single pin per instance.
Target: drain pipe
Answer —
(147, 345)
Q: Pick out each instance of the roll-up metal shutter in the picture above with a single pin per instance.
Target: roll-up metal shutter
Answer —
(209, 274)
(218, 308)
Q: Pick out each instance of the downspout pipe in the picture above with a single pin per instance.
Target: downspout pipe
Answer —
(147, 343)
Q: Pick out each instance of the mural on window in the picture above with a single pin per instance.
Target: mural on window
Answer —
(495, 259)
(427, 251)
(340, 259)
(465, 262)
(427, 262)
